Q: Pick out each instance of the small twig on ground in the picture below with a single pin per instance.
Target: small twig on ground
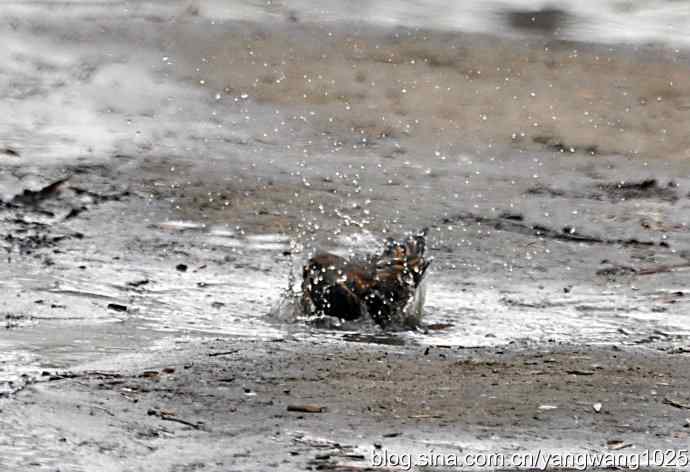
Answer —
(223, 353)
(676, 404)
(663, 268)
(103, 409)
(579, 372)
(100, 373)
(168, 417)
(307, 408)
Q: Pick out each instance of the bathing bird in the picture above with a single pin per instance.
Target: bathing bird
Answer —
(385, 286)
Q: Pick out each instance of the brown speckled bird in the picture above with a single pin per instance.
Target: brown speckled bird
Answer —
(383, 286)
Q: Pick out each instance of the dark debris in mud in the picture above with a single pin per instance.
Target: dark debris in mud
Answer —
(647, 188)
(568, 234)
(546, 20)
(97, 197)
(614, 270)
(549, 192)
(34, 197)
(614, 191)
(27, 241)
(15, 320)
(13, 387)
(138, 283)
(385, 339)
(10, 151)
(554, 144)
(170, 416)
(117, 307)
(31, 220)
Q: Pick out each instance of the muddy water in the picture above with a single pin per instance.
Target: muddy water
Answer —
(196, 203)
(609, 21)
(606, 21)
(59, 318)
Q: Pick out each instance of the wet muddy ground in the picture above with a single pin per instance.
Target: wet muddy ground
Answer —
(152, 215)
(225, 405)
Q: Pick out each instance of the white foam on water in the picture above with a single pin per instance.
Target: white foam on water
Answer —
(485, 317)
(181, 225)
(268, 238)
(272, 243)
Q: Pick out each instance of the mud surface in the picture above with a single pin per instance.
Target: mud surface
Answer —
(226, 406)
(157, 200)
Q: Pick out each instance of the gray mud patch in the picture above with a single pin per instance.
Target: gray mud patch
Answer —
(302, 404)
(136, 292)
(648, 188)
